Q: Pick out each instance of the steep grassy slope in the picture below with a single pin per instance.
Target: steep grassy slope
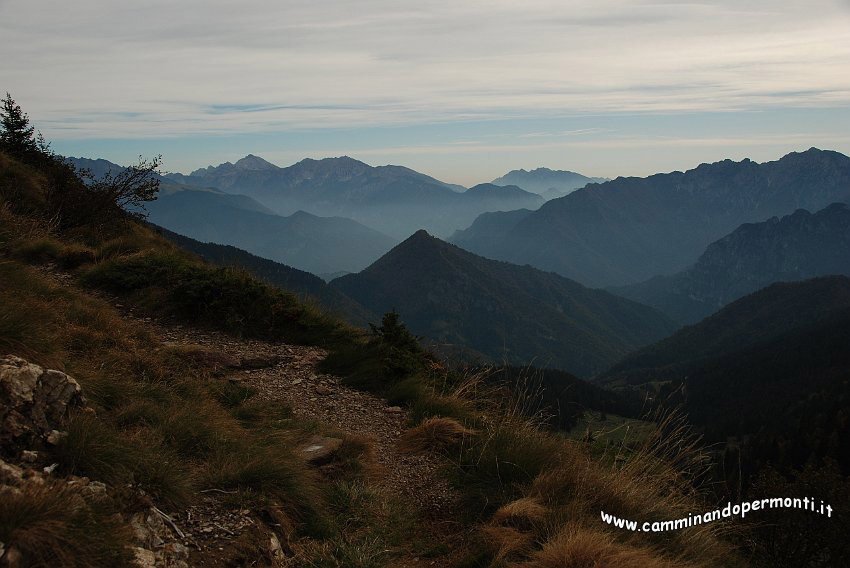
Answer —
(510, 312)
(630, 229)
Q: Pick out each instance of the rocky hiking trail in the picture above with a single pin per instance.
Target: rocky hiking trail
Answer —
(287, 373)
(214, 529)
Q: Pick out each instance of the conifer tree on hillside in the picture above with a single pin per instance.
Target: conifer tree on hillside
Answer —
(17, 136)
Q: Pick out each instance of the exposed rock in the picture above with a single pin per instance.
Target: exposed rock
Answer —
(32, 401)
(319, 450)
(12, 558)
(323, 390)
(55, 436)
(393, 410)
(275, 549)
(29, 456)
(144, 558)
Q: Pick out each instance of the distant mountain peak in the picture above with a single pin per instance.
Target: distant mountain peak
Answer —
(547, 182)
(453, 296)
(421, 236)
(252, 162)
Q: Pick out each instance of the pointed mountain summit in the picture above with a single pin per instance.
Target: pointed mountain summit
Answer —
(505, 311)
(252, 162)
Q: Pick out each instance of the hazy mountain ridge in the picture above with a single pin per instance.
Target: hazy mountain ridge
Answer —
(505, 311)
(796, 247)
(548, 183)
(307, 242)
(631, 229)
(393, 199)
(286, 277)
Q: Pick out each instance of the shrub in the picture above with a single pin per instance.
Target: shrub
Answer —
(73, 256)
(38, 251)
(391, 355)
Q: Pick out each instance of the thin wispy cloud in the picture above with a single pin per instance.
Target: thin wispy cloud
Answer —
(105, 69)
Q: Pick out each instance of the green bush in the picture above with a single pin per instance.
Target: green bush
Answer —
(391, 355)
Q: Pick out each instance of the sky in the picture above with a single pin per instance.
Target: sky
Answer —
(463, 90)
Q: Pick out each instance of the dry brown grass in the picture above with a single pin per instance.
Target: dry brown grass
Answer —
(50, 525)
(587, 548)
(523, 513)
(434, 434)
(505, 543)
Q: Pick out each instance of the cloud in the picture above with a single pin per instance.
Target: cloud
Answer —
(462, 90)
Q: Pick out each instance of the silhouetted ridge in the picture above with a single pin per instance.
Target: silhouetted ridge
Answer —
(507, 312)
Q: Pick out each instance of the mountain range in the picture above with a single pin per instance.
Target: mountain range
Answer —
(304, 241)
(510, 313)
(301, 240)
(630, 229)
(550, 184)
(392, 199)
(796, 247)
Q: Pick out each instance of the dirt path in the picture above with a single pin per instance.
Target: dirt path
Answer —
(287, 373)
(290, 376)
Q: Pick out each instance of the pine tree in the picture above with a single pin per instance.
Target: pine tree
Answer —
(17, 136)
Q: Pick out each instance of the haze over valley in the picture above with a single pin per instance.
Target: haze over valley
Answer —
(450, 284)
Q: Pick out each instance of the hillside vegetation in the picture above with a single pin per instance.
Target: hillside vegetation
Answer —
(756, 318)
(307, 285)
(765, 380)
(163, 433)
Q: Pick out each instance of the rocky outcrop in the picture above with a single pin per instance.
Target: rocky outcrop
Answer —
(33, 401)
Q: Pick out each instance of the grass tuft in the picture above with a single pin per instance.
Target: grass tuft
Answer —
(434, 434)
(50, 525)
